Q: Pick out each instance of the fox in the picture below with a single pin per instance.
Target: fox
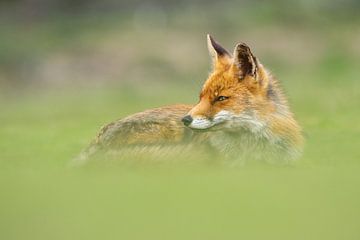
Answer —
(242, 114)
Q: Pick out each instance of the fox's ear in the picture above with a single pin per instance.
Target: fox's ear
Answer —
(219, 55)
(245, 63)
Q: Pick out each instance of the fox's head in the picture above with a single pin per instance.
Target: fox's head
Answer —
(236, 94)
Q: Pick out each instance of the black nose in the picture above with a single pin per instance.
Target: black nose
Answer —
(187, 120)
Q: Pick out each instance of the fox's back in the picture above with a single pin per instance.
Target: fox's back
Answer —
(154, 126)
(152, 134)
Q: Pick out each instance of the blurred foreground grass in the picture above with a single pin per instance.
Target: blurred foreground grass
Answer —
(44, 125)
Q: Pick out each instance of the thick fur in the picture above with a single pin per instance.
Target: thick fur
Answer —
(242, 115)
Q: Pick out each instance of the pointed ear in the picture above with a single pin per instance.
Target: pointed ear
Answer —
(219, 55)
(245, 63)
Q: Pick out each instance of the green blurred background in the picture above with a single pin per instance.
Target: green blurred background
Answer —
(68, 67)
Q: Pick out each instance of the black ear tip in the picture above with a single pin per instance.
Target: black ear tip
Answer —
(212, 40)
(243, 46)
(218, 48)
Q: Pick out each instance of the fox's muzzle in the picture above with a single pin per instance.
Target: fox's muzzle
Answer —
(187, 120)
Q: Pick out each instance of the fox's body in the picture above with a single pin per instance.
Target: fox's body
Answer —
(242, 114)
(154, 126)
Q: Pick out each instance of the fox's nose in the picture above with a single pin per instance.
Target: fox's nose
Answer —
(187, 120)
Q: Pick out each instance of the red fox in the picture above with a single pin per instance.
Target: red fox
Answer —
(242, 114)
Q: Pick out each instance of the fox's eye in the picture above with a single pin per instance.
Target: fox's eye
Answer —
(221, 98)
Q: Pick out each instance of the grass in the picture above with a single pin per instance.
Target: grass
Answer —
(42, 199)
(42, 127)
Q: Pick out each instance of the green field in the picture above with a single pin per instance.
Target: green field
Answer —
(44, 125)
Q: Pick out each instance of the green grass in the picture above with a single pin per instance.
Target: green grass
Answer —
(42, 127)
(43, 199)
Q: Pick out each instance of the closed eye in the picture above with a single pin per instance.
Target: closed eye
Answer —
(221, 98)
